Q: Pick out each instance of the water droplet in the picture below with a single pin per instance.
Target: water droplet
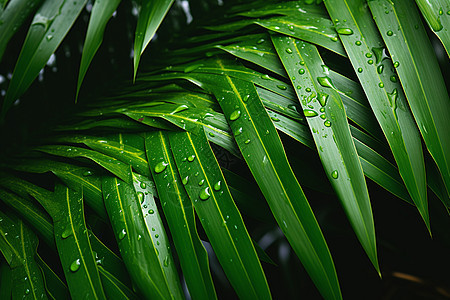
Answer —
(246, 97)
(166, 261)
(143, 185)
(247, 142)
(217, 185)
(302, 63)
(308, 89)
(323, 116)
(122, 234)
(185, 180)
(260, 41)
(379, 54)
(309, 113)
(291, 27)
(393, 99)
(380, 69)
(327, 123)
(201, 182)
(66, 233)
(179, 109)
(238, 132)
(322, 109)
(358, 43)
(345, 31)
(322, 99)
(87, 173)
(381, 85)
(27, 291)
(393, 78)
(334, 38)
(265, 76)
(301, 71)
(370, 61)
(389, 33)
(289, 50)
(275, 119)
(360, 70)
(161, 166)
(441, 11)
(282, 87)
(151, 211)
(235, 115)
(49, 37)
(140, 196)
(325, 81)
(191, 158)
(75, 265)
(204, 194)
(156, 235)
(396, 64)
(335, 174)
(368, 55)
(211, 134)
(192, 68)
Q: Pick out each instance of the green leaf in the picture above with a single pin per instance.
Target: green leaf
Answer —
(74, 248)
(366, 51)
(313, 29)
(420, 75)
(136, 245)
(437, 15)
(114, 288)
(180, 217)
(31, 212)
(223, 224)
(331, 134)
(12, 18)
(55, 287)
(113, 165)
(151, 16)
(48, 28)
(125, 153)
(262, 150)
(5, 280)
(101, 12)
(27, 279)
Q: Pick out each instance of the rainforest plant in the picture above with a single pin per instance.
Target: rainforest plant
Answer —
(182, 177)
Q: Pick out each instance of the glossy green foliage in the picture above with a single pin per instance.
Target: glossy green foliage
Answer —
(235, 163)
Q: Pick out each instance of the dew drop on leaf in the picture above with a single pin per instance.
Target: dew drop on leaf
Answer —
(380, 69)
(161, 166)
(235, 115)
(217, 185)
(323, 116)
(238, 132)
(122, 234)
(87, 173)
(204, 194)
(143, 185)
(322, 97)
(140, 196)
(325, 81)
(166, 261)
(289, 50)
(396, 64)
(75, 265)
(66, 233)
(345, 31)
(335, 174)
(185, 180)
(201, 182)
(309, 113)
(191, 158)
(282, 87)
(327, 123)
(389, 33)
(301, 71)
